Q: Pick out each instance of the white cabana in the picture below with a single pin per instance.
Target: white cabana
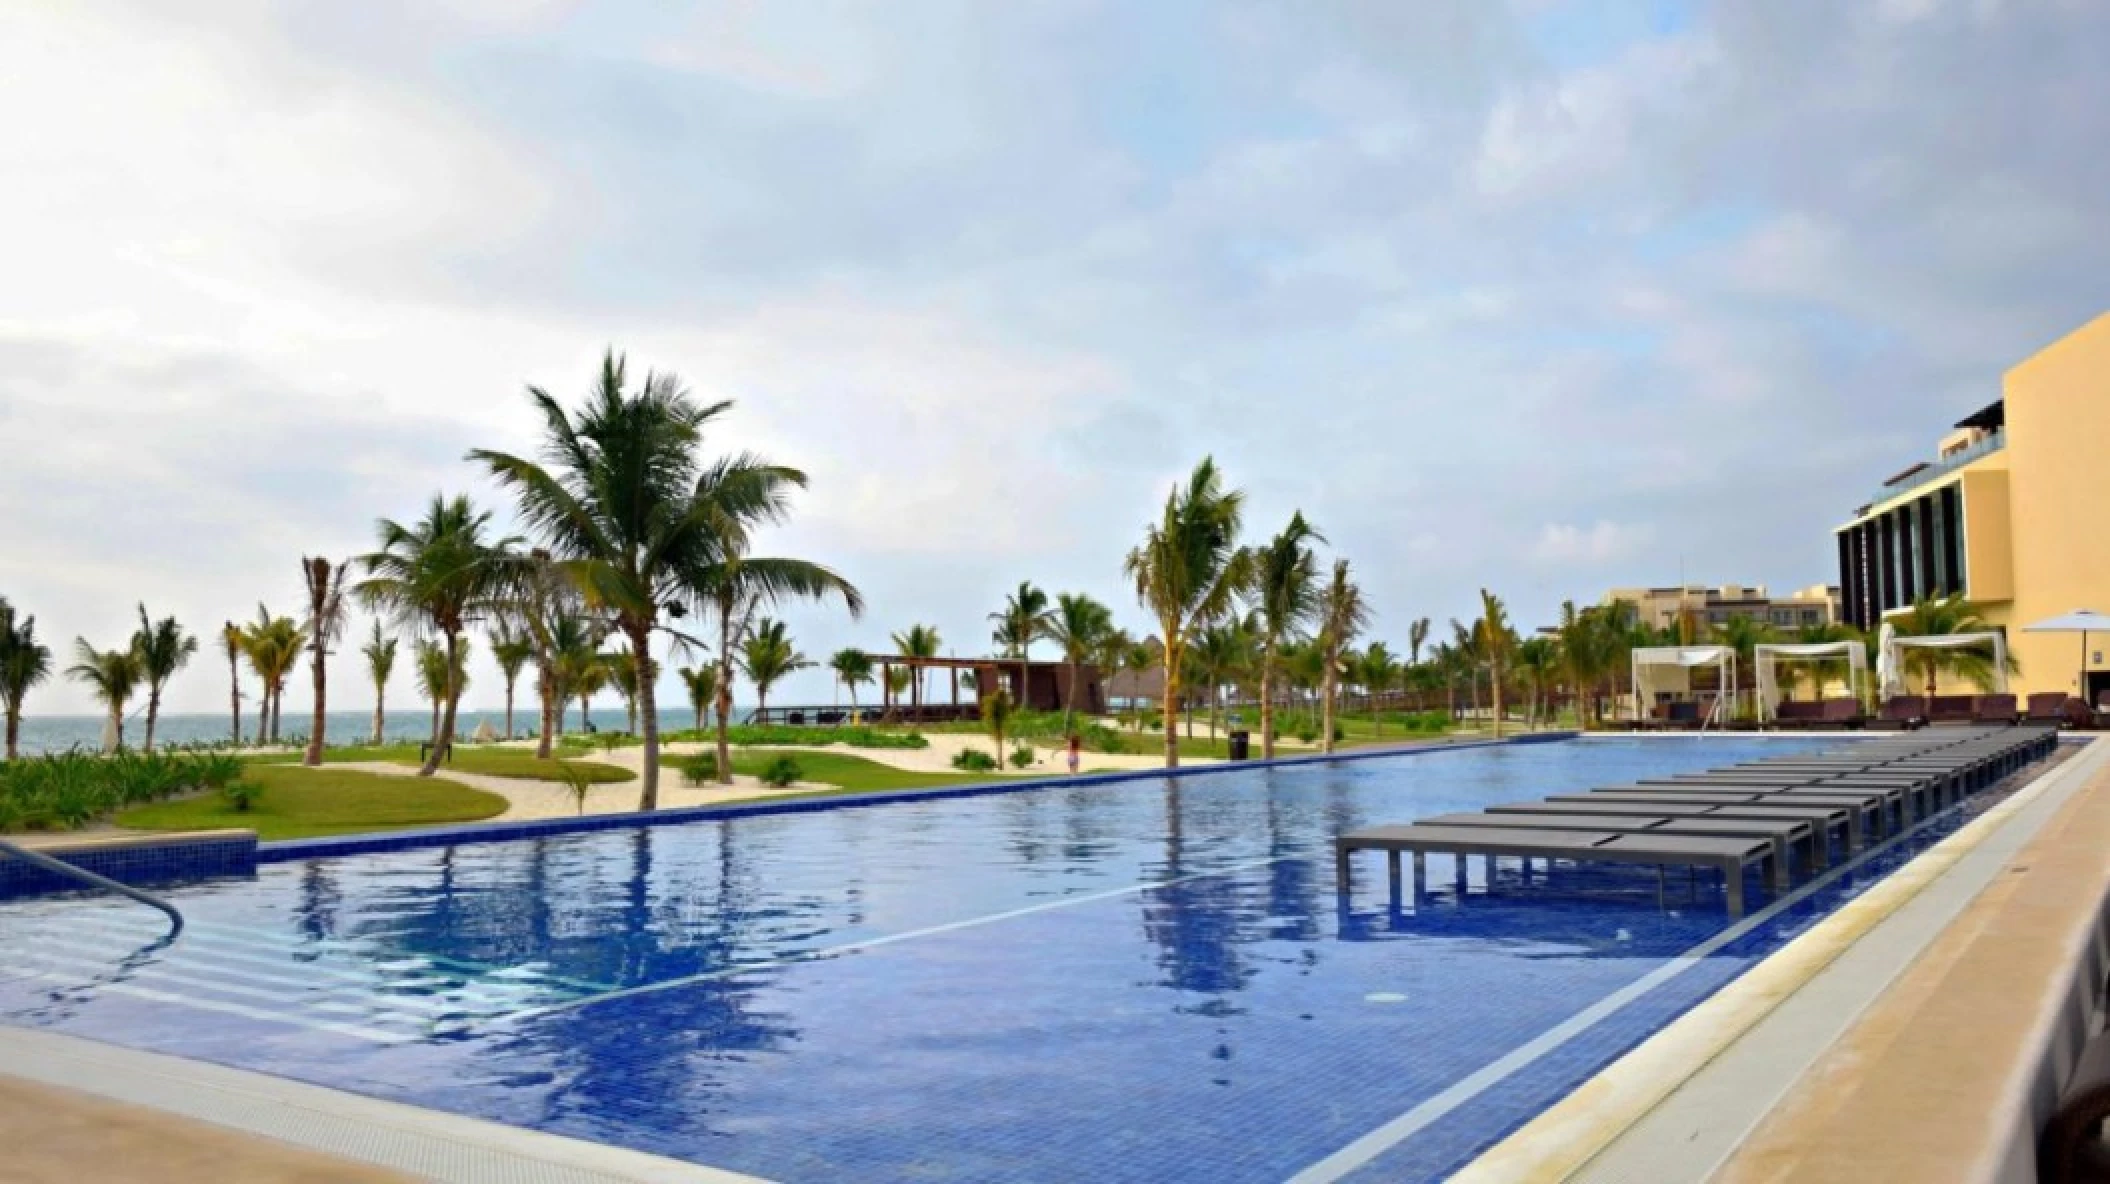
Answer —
(2083, 621)
(1955, 641)
(1767, 657)
(1667, 670)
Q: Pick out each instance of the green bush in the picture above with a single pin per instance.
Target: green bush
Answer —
(67, 790)
(1022, 757)
(782, 771)
(973, 760)
(698, 768)
(1100, 738)
(815, 737)
(241, 795)
(1307, 735)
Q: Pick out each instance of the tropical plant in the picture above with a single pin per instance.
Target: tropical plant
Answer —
(782, 771)
(272, 647)
(1186, 572)
(163, 648)
(1742, 635)
(578, 781)
(766, 656)
(24, 664)
(622, 675)
(1023, 620)
(642, 523)
(1285, 595)
(1417, 636)
(996, 709)
(112, 676)
(918, 641)
(572, 662)
(701, 682)
(852, 668)
(1078, 625)
(433, 660)
(512, 649)
(1539, 659)
(588, 677)
(973, 760)
(1497, 642)
(1377, 671)
(231, 646)
(439, 576)
(380, 652)
(325, 583)
(1221, 653)
(1946, 617)
(1343, 615)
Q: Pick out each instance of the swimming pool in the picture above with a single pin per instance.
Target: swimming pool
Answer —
(1145, 980)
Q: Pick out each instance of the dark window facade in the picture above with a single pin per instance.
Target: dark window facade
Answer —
(1911, 551)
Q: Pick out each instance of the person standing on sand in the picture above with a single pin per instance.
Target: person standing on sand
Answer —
(1074, 752)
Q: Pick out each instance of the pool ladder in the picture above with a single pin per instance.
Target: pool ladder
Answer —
(59, 867)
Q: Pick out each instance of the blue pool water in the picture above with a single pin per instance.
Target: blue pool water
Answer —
(1149, 980)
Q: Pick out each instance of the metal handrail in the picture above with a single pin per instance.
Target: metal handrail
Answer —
(60, 867)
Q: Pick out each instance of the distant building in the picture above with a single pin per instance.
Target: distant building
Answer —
(1660, 608)
(2008, 513)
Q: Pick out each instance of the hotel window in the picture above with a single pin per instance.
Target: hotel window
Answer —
(1909, 520)
(1940, 532)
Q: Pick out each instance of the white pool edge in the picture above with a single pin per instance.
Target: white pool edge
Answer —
(410, 1139)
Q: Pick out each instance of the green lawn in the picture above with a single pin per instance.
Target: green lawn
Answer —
(851, 773)
(492, 762)
(300, 803)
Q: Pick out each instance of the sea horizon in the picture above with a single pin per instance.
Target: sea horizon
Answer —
(60, 733)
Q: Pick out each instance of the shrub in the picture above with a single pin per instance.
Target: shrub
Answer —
(1022, 757)
(781, 771)
(973, 760)
(1307, 735)
(698, 768)
(62, 791)
(746, 735)
(241, 795)
(1100, 738)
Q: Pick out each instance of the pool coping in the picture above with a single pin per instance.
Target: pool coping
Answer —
(285, 850)
(1625, 1120)
(427, 1144)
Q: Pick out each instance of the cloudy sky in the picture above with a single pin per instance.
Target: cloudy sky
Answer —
(1544, 295)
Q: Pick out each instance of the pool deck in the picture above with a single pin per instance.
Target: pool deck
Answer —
(1916, 1034)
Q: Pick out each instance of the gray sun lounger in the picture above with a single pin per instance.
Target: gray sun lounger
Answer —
(1730, 856)
(1821, 821)
(1865, 818)
(1783, 833)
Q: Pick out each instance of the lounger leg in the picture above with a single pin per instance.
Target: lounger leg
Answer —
(1340, 870)
(1490, 873)
(1461, 876)
(1421, 878)
(1661, 901)
(1779, 860)
(1392, 873)
(1733, 874)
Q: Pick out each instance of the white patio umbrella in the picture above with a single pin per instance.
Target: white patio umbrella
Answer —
(2083, 621)
(1890, 673)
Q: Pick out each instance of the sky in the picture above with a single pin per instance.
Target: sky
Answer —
(1537, 295)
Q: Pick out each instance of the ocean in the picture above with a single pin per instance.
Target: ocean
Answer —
(412, 724)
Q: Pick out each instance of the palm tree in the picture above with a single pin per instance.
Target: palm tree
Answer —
(24, 663)
(852, 667)
(739, 585)
(919, 641)
(231, 646)
(112, 676)
(543, 608)
(702, 684)
(1417, 636)
(511, 648)
(163, 648)
(639, 520)
(438, 576)
(621, 666)
(272, 646)
(767, 656)
(1222, 653)
(325, 621)
(1186, 572)
(440, 689)
(1377, 670)
(1285, 594)
(1467, 655)
(1342, 617)
(1539, 658)
(380, 651)
(996, 716)
(589, 677)
(1743, 635)
(1943, 618)
(1498, 640)
(1078, 625)
(1022, 621)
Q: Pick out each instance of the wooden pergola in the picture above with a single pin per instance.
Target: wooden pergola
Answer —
(1044, 687)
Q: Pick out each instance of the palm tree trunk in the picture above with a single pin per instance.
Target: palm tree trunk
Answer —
(725, 695)
(647, 705)
(1169, 706)
(1494, 692)
(433, 729)
(1069, 701)
(1267, 703)
(509, 707)
(546, 693)
(1326, 693)
(380, 719)
(318, 664)
(234, 696)
(153, 713)
(443, 733)
(585, 712)
(14, 731)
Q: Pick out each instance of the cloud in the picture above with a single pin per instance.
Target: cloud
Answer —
(1595, 545)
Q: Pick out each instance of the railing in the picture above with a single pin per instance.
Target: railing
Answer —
(60, 867)
(1983, 446)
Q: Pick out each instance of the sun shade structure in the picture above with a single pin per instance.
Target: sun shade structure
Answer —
(1667, 670)
(1767, 657)
(2083, 621)
(1953, 641)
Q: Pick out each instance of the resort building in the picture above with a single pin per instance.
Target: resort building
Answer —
(1660, 608)
(2005, 514)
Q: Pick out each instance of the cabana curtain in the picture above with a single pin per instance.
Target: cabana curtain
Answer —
(1667, 670)
(1957, 641)
(1766, 658)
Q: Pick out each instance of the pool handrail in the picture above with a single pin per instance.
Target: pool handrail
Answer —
(60, 867)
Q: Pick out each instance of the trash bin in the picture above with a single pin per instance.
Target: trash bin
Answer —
(1241, 745)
